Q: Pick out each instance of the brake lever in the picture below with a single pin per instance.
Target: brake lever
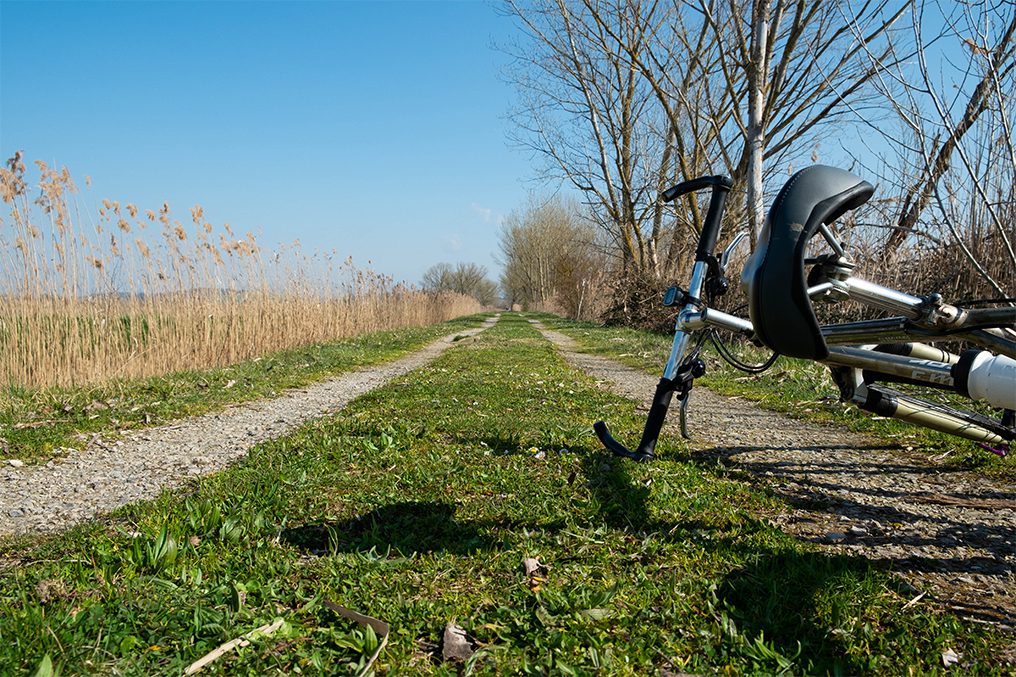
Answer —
(730, 249)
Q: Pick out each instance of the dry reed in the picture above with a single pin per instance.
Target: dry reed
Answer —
(136, 293)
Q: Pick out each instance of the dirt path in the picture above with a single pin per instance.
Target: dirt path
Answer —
(952, 532)
(143, 463)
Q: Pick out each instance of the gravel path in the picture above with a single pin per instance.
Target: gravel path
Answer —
(953, 532)
(144, 462)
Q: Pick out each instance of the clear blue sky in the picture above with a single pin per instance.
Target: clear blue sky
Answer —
(376, 128)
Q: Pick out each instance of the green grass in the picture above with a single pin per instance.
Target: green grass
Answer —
(36, 425)
(798, 388)
(417, 505)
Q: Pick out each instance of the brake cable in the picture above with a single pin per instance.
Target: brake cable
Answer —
(735, 362)
(729, 357)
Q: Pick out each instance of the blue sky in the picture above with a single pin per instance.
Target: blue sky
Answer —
(375, 128)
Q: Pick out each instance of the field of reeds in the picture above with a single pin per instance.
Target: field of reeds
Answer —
(88, 297)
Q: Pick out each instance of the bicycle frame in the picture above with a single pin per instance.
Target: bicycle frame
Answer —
(861, 355)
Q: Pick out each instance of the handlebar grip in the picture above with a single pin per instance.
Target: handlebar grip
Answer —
(711, 229)
(723, 182)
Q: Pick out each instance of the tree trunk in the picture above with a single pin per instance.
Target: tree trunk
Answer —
(755, 133)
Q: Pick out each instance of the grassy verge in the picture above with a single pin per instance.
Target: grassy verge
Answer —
(417, 505)
(799, 388)
(36, 425)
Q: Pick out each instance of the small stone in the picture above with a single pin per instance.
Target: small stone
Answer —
(15, 463)
(16, 512)
(858, 531)
(835, 537)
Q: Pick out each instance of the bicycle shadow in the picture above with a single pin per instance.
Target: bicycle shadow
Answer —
(925, 520)
(774, 595)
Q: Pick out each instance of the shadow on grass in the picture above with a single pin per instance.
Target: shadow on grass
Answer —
(797, 601)
(779, 596)
(405, 528)
(502, 445)
(624, 502)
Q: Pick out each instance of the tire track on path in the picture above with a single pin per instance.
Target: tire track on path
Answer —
(951, 531)
(146, 461)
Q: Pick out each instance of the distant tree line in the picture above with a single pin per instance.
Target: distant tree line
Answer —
(553, 260)
(469, 279)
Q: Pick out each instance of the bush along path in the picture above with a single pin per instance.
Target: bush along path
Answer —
(948, 530)
(107, 475)
(466, 508)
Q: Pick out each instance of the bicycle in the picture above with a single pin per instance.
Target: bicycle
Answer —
(783, 281)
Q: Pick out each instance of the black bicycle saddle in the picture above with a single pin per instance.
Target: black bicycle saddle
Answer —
(774, 275)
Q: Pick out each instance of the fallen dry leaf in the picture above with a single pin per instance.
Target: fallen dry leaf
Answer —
(456, 646)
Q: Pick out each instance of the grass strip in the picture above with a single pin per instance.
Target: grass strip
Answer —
(420, 505)
(37, 425)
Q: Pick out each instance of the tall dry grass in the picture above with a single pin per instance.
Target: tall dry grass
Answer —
(130, 293)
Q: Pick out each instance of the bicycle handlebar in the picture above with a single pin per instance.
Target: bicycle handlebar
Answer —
(681, 381)
(711, 228)
(718, 181)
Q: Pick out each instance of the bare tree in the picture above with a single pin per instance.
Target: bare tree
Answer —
(469, 279)
(551, 260)
(793, 67)
(955, 162)
(591, 116)
(623, 97)
(677, 57)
